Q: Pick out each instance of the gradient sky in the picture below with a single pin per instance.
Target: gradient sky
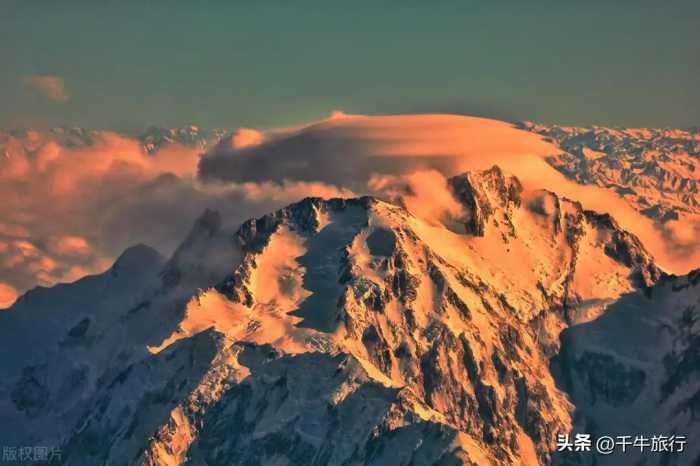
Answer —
(129, 64)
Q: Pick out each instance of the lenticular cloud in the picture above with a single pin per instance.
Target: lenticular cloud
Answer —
(69, 211)
(349, 149)
(367, 154)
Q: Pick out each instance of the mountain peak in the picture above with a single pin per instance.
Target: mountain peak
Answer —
(135, 257)
(482, 193)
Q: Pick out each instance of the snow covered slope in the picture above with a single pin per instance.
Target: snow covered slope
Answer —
(634, 370)
(348, 331)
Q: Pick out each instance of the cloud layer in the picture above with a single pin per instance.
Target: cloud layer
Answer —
(69, 210)
(373, 154)
(48, 86)
(349, 149)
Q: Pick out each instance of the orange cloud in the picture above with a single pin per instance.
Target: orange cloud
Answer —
(424, 193)
(69, 211)
(60, 204)
(69, 246)
(8, 295)
(289, 191)
(49, 86)
(246, 137)
(355, 152)
(13, 231)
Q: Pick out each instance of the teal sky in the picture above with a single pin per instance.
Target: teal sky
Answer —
(129, 64)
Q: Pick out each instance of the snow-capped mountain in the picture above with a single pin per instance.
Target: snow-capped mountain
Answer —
(30, 140)
(351, 331)
(656, 170)
(152, 139)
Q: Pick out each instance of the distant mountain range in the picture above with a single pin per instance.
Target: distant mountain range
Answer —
(153, 138)
(656, 170)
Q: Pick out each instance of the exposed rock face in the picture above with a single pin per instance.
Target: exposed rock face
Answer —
(348, 331)
(485, 195)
